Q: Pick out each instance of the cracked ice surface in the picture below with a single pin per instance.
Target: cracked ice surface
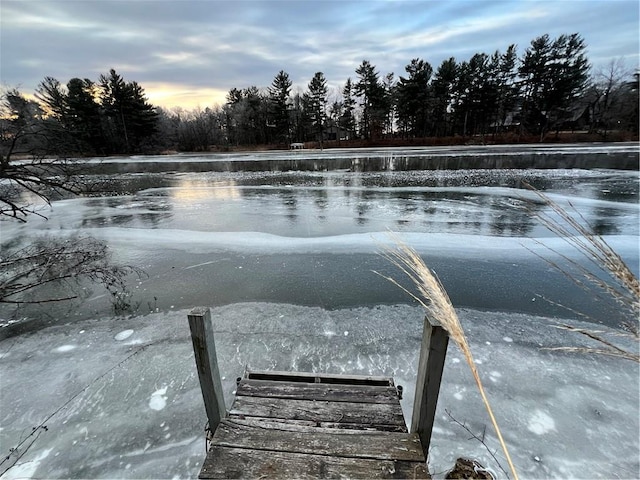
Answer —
(125, 401)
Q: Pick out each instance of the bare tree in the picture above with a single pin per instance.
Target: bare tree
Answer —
(27, 143)
(47, 269)
(606, 95)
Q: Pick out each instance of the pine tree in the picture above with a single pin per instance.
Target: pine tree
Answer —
(129, 118)
(279, 99)
(389, 103)
(318, 105)
(443, 87)
(413, 95)
(554, 74)
(508, 89)
(84, 115)
(372, 96)
(347, 119)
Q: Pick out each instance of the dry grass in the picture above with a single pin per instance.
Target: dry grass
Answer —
(602, 261)
(435, 300)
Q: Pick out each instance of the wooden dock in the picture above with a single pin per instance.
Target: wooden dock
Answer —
(308, 425)
(292, 425)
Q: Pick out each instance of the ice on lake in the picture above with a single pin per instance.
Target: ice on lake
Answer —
(118, 410)
(120, 397)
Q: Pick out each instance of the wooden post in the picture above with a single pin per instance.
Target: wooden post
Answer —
(204, 349)
(433, 352)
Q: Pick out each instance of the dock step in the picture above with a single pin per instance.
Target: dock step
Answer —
(298, 425)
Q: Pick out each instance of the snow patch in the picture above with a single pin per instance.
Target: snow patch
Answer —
(541, 423)
(123, 335)
(27, 469)
(64, 348)
(158, 399)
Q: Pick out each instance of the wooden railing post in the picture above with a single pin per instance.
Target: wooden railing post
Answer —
(204, 349)
(433, 352)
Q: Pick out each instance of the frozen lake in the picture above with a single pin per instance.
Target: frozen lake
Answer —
(285, 257)
(311, 237)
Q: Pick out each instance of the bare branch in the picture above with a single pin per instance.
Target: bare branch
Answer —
(480, 439)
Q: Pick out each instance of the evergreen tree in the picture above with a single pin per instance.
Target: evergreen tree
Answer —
(318, 105)
(630, 114)
(389, 103)
(113, 100)
(300, 122)
(476, 94)
(553, 74)
(443, 87)
(129, 118)
(231, 114)
(252, 120)
(84, 120)
(55, 126)
(507, 87)
(279, 98)
(348, 119)
(73, 116)
(413, 95)
(372, 97)
(53, 99)
(142, 115)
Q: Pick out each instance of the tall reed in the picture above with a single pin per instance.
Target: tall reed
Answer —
(435, 300)
(602, 261)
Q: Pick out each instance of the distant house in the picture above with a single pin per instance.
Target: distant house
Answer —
(578, 117)
(510, 123)
(335, 132)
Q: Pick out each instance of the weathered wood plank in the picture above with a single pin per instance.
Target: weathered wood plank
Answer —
(204, 349)
(360, 428)
(318, 411)
(380, 446)
(318, 391)
(236, 463)
(433, 351)
(309, 377)
(307, 426)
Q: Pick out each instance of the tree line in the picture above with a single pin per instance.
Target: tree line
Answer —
(549, 87)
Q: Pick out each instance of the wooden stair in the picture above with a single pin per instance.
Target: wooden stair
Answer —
(299, 425)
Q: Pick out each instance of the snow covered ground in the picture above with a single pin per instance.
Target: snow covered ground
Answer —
(120, 398)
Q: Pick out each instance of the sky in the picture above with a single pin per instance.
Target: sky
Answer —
(191, 53)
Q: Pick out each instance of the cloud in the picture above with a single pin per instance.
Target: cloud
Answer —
(171, 95)
(213, 46)
(438, 35)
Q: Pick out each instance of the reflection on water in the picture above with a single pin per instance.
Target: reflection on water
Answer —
(335, 202)
(305, 204)
(192, 190)
(137, 211)
(308, 204)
